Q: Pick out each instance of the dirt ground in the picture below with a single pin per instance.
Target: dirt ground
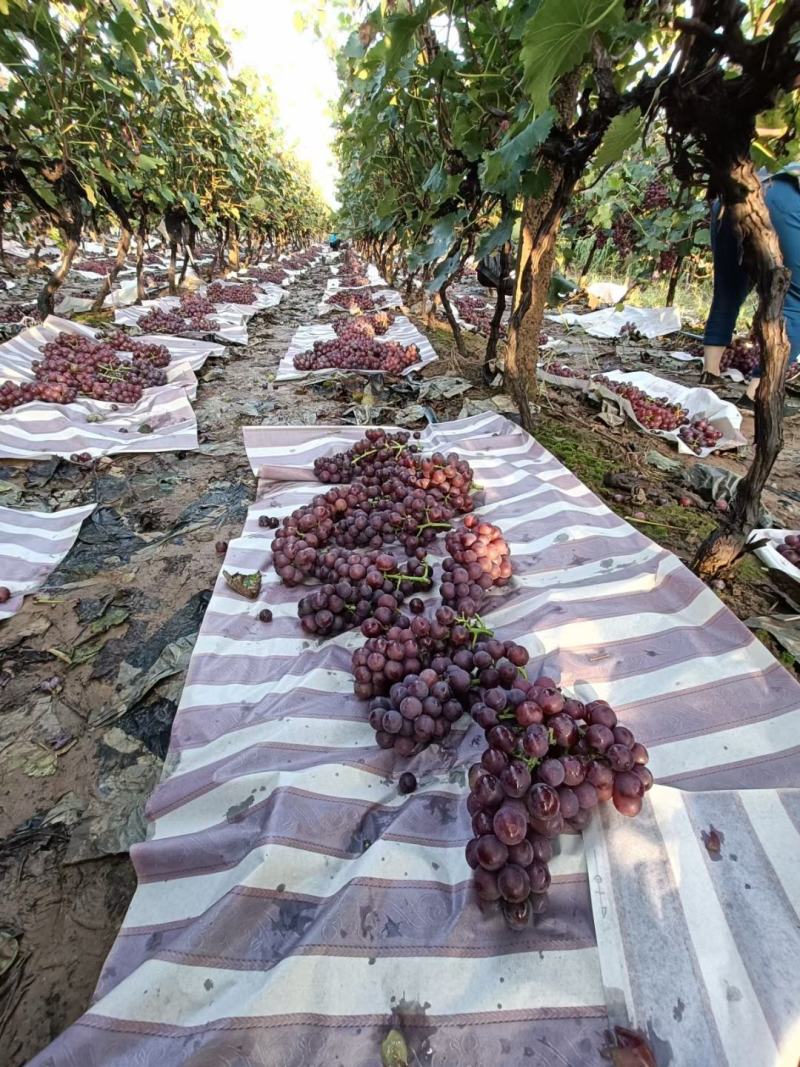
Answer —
(92, 668)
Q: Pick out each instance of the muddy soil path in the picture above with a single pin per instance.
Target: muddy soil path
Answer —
(111, 633)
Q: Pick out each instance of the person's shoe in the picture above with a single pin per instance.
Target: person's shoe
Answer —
(708, 378)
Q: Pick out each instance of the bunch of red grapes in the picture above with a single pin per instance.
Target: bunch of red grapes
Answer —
(742, 354)
(352, 279)
(790, 549)
(352, 300)
(274, 275)
(387, 493)
(656, 196)
(476, 312)
(561, 370)
(478, 560)
(550, 761)
(73, 366)
(225, 293)
(417, 675)
(654, 413)
(191, 316)
(623, 233)
(374, 325)
(630, 332)
(12, 313)
(96, 266)
(352, 263)
(666, 261)
(356, 351)
(360, 586)
(699, 435)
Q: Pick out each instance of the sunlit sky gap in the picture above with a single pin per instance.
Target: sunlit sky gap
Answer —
(301, 72)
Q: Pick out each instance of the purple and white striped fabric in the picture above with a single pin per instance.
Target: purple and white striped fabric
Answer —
(18, 353)
(230, 319)
(32, 544)
(402, 330)
(292, 907)
(162, 421)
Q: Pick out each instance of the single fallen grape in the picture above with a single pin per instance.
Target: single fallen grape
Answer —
(407, 783)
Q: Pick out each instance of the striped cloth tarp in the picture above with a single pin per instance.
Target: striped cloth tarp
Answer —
(230, 320)
(32, 544)
(402, 330)
(18, 353)
(292, 907)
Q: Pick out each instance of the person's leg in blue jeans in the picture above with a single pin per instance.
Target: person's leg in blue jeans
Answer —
(783, 202)
(731, 286)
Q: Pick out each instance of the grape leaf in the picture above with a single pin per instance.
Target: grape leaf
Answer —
(394, 1051)
(502, 168)
(557, 38)
(621, 134)
(248, 585)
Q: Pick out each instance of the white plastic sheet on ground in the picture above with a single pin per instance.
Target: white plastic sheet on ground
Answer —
(32, 544)
(381, 298)
(402, 330)
(162, 421)
(650, 322)
(606, 293)
(230, 323)
(700, 403)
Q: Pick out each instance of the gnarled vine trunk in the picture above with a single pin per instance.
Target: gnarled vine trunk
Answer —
(743, 197)
(45, 302)
(123, 246)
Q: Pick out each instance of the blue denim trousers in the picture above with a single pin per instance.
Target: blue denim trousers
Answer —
(731, 281)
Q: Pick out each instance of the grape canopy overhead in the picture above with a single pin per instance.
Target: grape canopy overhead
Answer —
(122, 114)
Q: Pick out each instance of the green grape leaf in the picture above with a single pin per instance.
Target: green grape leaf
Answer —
(620, 135)
(503, 168)
(557, 38)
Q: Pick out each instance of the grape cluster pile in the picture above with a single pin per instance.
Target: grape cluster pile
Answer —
(699, 435)
(623, 234)
(550, 761)
(352, 280)
(790, 549)
(352, 299)
(374, 325)
(561, 370)
(96, 266)
(742, 354)
(274, 275)
(654, 413)
(300, 260)
(359, 587)
(656, 196)
(191, 316)
(630, 332)
(476, 312)
(478, 560)
(354, 350)
(223, 293)
(11, 313)
(73, 366)
(144, 351)
(387, 493)
(352, 263)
